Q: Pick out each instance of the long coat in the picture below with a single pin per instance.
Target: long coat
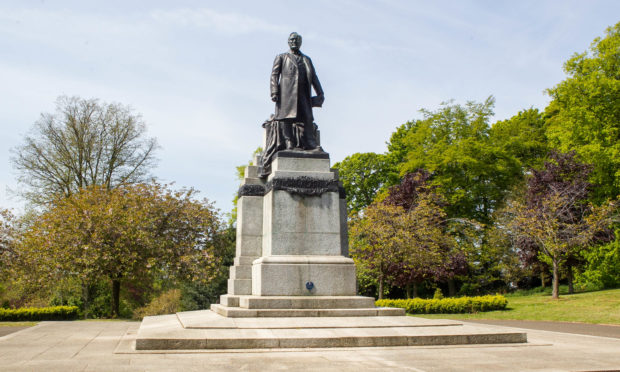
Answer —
(285, 83)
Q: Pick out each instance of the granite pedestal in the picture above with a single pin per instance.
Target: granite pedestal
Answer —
(292, 242)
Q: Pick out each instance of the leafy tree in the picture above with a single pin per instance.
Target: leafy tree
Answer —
(402, 240)
(240, 173)
(84, 143)
(7, 234)
(584, 114)
(473, 174)
(7, 242)
(380, 239)
(523, 137)
(407, 194)
(416, 195)
(397, 147)
(602, 267)
(129, 233)
(555, 215)
(362, 176)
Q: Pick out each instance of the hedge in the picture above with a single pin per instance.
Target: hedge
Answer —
(39, 313)
(448, 305)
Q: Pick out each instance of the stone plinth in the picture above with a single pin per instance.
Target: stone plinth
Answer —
(291, 232)
(303, 231)
(290, 276)
(301, 225)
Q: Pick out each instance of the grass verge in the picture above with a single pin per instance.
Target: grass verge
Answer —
(600, 307)
(17, 324)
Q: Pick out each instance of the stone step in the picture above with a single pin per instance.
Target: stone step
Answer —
(207, 319)
(237, 312)
(165, 332)
(306, 302)
(229, 300)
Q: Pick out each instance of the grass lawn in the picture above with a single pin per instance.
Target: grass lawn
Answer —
(600, 307)
(17, 324)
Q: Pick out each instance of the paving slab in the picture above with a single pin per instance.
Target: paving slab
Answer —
(604, 330)
(105, 349)
(5, 330)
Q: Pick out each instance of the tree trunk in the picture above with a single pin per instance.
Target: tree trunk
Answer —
(408, 289)
(415, 290)
(381, 288)
(451, 288)
(555, 292)
(86, 299)
(116, 291)
(569, 277)
(543, 279)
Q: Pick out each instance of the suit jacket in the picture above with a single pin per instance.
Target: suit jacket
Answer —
(284, 84)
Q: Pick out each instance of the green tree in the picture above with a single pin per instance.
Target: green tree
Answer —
(473, 174)
(379, 240)
(240, 173)
(362, 176)
(401, 244)
(7, 235)
(584, 114)
(523, 137)
(397, 147)
(134, 232)
(602, 268)
(84, 143)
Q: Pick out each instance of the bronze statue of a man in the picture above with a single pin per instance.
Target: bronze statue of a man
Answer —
(292, 78)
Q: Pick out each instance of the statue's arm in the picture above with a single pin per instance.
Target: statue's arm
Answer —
(316, 84)
(275, 77)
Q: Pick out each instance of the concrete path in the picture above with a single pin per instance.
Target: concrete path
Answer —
(5, 330)
(602, 330)
(104, 346)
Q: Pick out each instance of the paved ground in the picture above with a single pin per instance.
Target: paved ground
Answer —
(5, 330)
(577, 328)
(104, 346)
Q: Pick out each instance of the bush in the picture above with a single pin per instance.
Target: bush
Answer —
(438, 294)
(168, 302)
(602, 269)
(448, 305)
(39, 313)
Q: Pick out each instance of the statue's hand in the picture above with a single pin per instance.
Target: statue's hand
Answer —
(274, 97)
(317, 101)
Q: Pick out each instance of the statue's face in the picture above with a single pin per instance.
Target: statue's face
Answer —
(294, 42)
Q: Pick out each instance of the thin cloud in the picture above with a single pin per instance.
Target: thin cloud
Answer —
(229, 23)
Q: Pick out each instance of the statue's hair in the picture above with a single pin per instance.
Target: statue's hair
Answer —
(296, 34)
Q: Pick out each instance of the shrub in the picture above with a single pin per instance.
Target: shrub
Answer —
(448, 305)
(438, 294)
(39, 313)
(602, 268)
(168, 302)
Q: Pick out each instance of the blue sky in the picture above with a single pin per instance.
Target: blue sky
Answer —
(198, 71)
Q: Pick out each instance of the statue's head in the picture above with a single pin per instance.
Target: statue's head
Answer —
(294, 41)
